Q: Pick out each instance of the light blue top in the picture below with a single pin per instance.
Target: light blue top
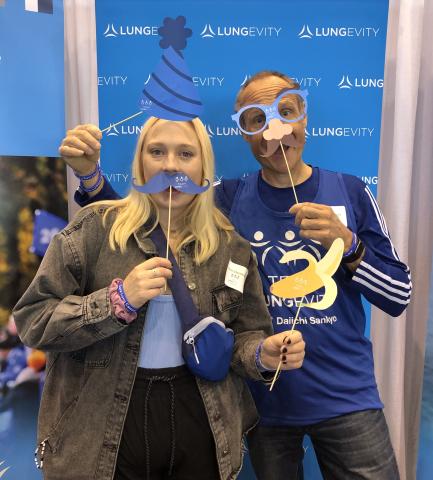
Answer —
(161, 344)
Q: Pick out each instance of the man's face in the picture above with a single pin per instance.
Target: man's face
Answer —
(265, 91)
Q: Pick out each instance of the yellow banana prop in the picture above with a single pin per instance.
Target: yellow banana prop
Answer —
(315, 276)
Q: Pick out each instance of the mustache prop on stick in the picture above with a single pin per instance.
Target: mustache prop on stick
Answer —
(163, 180)
(179, 181)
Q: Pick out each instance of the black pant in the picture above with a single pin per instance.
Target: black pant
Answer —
(166, 433)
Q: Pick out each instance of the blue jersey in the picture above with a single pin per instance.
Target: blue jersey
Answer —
(337, 376)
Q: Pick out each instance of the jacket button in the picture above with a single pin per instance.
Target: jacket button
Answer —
(225, 452)
(96, 311)
(192, 286)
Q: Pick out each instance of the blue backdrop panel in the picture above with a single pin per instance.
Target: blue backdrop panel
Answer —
(32, 114)
(334, 48)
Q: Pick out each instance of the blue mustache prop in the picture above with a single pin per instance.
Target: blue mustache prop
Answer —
(180, 181)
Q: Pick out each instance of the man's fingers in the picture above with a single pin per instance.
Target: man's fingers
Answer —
(93, 129)
(313, 224)
(86, 137)
(76, 142)
(66, 151)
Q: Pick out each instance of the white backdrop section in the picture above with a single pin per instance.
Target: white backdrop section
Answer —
(81, 88)
(406, 196)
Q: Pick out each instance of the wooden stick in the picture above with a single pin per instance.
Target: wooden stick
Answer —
(121, 121)
(277, 372)
(168, 232)
(290, 173)
(169, 224)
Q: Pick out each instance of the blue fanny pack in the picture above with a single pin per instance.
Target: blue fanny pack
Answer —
(207, 345)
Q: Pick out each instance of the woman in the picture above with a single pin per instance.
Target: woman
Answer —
(118, 400)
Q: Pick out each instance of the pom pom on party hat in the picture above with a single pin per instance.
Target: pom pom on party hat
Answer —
(170, 89)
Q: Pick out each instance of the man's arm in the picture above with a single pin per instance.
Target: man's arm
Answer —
(381, 276)
(378, 274)
(81, 151)
(106, 192)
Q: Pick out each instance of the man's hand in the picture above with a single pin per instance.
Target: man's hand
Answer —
(285, 346)
(80, 148)
(321, 223)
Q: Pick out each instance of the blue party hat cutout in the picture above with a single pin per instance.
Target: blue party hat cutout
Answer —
(170, 89)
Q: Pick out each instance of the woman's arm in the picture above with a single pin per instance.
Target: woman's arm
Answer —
(54, 314)
(253, 326)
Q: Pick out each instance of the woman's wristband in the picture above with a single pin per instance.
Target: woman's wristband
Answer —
(259, 363)
(122, 309)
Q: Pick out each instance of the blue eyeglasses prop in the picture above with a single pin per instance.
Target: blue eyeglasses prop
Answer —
(289, 107)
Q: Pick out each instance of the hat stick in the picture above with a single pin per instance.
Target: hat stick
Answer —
(121, 121)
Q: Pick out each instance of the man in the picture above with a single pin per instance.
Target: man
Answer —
(333, 398)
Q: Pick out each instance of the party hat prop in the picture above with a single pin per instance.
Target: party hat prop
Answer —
(170, 89)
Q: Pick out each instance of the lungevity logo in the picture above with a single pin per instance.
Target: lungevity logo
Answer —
(210, 31)
(308, 32)
(222, 131)
(347, 83)
(118, 130)
(340, 132)
(130, 30)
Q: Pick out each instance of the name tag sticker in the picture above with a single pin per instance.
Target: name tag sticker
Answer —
(340, 211)
(235, 276)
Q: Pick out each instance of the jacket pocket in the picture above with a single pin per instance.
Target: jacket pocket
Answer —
(225, 303)
(97, 355)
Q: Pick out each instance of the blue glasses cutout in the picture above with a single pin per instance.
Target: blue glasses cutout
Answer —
(289, 107)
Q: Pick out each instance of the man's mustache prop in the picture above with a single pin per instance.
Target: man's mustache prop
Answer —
(163, 180)
(279, 132)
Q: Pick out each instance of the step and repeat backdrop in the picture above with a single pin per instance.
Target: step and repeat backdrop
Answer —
(334, 49)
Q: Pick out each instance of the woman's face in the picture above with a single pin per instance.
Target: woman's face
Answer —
(172, 147)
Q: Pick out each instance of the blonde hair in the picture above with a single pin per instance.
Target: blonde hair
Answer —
(202, 219)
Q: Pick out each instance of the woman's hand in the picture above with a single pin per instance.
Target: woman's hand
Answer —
(147, 280)
(80, 148)
(285, 346)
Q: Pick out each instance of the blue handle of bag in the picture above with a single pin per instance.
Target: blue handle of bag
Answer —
(187, 310)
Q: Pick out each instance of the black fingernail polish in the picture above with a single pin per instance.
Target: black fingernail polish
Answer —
(284, 350)
(284, 339)
(283, 358)
(289, 341)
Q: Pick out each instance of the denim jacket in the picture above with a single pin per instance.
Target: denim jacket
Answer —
(92, 356)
